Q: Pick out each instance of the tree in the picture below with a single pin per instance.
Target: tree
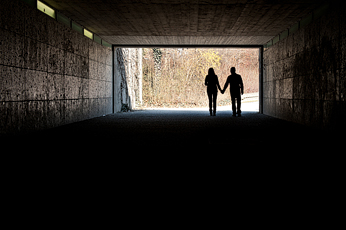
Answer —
(175, 77)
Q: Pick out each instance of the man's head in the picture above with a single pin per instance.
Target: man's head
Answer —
(233, 70)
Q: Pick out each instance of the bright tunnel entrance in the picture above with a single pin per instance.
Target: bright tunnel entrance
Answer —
(166, 77)
(175, 77)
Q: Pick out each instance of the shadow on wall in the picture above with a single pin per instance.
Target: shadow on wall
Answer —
(318, 91)
(304, 79)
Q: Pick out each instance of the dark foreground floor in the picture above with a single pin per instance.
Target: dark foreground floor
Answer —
(162, 130)
(131, 161)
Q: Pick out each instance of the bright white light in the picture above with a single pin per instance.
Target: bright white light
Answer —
(45, 9)
(88, 34)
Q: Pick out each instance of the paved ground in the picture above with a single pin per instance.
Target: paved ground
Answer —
(180, 129)
(136, 151)
(248, 107)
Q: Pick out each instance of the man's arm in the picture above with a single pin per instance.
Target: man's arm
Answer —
(241, 85)
(226, 85)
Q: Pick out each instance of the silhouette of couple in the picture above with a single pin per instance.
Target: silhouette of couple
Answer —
(236, 87)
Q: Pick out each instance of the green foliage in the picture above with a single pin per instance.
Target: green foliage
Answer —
(157, 55)
(125, 108)
(211, 59)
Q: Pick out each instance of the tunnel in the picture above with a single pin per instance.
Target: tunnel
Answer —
(61, 66)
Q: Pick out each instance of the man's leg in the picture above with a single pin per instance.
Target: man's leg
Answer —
(233, 105)
(238, 105)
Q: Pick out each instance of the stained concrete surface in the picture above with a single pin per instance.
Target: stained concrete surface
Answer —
(186, 22)
(304, 74)
(50, 75)
(185, 130)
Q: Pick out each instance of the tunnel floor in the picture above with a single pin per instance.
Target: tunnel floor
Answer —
(115, 152)
(160, 130)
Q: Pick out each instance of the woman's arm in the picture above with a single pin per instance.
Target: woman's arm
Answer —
(217, 83)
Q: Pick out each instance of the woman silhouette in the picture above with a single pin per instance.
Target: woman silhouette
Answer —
(211, 81)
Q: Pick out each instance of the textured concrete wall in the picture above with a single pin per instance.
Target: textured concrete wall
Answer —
(128, 78)
(304, 74)
(212, 22)
(50, 75)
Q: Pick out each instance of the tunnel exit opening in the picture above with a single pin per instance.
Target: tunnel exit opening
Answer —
(173, 76)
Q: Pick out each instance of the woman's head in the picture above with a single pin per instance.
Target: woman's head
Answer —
(211, 71)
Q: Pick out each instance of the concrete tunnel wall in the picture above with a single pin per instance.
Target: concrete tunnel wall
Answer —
(127, 78)
(304, 75)
(50, 75)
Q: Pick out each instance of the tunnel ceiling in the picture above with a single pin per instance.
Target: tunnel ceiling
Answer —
(179, 22)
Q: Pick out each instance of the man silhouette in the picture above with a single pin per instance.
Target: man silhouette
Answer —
(236, 87)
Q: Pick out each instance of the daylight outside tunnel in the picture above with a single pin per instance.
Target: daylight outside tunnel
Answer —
(175, 77)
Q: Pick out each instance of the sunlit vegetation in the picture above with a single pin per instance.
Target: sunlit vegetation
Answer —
(175, 77)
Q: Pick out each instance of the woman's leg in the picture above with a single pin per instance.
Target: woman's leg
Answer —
(214, 101)
(210, 102)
